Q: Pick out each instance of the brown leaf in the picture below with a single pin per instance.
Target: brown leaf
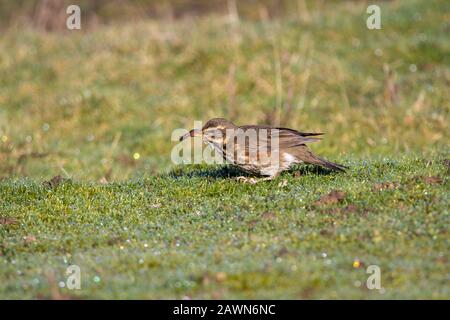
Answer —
(252, 223)
(325, 232)
(433, 180)
(333, 197)
(385, 186)
(447, 163)
(221, 276)
(351, 208)
(29, 239)
(114, 240)
(7, 221)
(55, 181)
(283, 251)
(268, 216)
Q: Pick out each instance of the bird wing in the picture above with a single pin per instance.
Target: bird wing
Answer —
(299, 133)
(267, 140)
(288, 138)
(296, 132)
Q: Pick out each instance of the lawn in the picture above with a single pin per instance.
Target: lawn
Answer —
(98, 107)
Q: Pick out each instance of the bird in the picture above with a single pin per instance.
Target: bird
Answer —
(260, 150)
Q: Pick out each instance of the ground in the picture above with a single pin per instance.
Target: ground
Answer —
(198, 233)
(98, 108)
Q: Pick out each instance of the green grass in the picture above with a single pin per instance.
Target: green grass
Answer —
(81, 104)
(197, 233)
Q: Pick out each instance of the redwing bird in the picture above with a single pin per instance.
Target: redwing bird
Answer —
(260, 150)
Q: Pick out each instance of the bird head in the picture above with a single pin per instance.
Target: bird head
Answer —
(213, 131)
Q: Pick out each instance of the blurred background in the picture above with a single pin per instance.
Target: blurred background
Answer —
(50, 14)
(101, 103)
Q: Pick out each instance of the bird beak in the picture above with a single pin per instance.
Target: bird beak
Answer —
(192, 133)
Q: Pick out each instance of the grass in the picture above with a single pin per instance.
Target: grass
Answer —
(101, 105)
(197, 233)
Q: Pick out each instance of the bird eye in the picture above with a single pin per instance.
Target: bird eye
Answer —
(214, 135)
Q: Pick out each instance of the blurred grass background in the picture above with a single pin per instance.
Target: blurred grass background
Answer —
(102, 102)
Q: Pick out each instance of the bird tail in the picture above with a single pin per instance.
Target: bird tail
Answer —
(330, 165)
(309, 134)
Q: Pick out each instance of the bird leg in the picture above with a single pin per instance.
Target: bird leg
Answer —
(247, 180)
(253, 180)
